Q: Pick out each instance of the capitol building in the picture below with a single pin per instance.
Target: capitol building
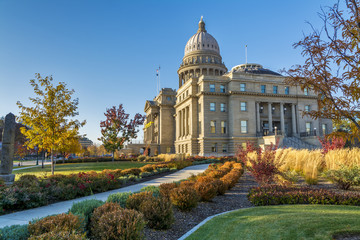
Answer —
(215, 110)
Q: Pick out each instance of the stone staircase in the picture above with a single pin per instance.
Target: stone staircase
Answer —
(297, 143)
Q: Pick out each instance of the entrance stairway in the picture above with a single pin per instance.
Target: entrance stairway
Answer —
(297, 143)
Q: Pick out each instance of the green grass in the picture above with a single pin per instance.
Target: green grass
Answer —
(282, 222)
(69, 168)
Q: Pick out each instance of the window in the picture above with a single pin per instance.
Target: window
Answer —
(307, 108)
(212, 126)
(223, 107)
(306, 91)
(324, 127)
(212, 107)
(243, 126)
(199, 107)
(223, 127)
(168, 150)
(287, 90)
(168, 98)
(222, 88)
(212, 87)
(242, 87)
(308, 127)
(263, 88)
(224, 148)
(243, 106)
(275, 89)
(187, 92)
(214, 147)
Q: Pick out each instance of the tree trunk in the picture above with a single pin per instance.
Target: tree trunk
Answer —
(37, 157)
(113, 156)
(43, 160)
(52, 163)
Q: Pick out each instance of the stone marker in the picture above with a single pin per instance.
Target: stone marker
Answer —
(7, 153)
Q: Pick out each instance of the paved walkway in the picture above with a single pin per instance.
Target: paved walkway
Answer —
(23, 217)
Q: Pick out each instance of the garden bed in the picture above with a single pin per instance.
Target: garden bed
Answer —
(234, 198)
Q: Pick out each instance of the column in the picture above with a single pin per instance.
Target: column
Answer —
(258, 129)
(293, 117)
(187, 121)
(179, 119)
(270, 117)
(282, 123)
(183, 122)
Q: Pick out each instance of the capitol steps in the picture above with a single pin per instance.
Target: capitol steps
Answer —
(297, 143)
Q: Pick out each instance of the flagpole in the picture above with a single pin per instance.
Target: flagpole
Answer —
(159, 80)
(245, 54)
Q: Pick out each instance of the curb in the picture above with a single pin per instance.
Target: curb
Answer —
(183, 237)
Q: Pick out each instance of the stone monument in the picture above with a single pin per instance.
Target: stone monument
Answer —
(7, 153)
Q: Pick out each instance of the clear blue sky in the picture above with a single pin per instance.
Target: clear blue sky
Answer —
(108, 51)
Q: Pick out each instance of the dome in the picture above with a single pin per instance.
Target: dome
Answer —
(253, 68)
(202, 41)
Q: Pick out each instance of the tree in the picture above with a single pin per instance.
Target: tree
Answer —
(49, 123)
(117, 129)
(332, 65)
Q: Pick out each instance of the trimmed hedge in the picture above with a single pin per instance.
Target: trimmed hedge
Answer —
(277, 195)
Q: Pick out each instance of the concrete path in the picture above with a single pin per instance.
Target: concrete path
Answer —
(23, 217)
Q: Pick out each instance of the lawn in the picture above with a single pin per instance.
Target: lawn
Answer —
(69, 168)
(282, 222)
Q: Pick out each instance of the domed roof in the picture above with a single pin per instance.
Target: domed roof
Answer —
(254, 69)
(202, 41)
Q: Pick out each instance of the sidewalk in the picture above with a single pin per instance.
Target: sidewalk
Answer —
(23, 217)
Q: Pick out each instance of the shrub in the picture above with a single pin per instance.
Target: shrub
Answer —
(206, 190)
(14, 232)
(141, 158)
(85, 209)
(132, 171)
(98, 213)
(120, 224)
(165, 189)
(135, 200)
(179, 164)
(155, 190)
(145, 174)
(217, 173)
(61, 222)
(275, 195)
(60, 235)
(15, 197)
(345, 177)
(147, 168)
(220, 186)
(185, 198)
(27, 180)
(187, 184)
(264, 167)
(231, 178)
(119, 198)
(158, 212)
(205, 179)
(133, 178)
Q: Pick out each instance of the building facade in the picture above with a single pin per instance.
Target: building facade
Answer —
(217, 110)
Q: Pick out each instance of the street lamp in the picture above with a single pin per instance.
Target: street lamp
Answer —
(315, 131)
(275, 130)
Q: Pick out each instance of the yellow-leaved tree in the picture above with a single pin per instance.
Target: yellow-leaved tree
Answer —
(50, 124)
